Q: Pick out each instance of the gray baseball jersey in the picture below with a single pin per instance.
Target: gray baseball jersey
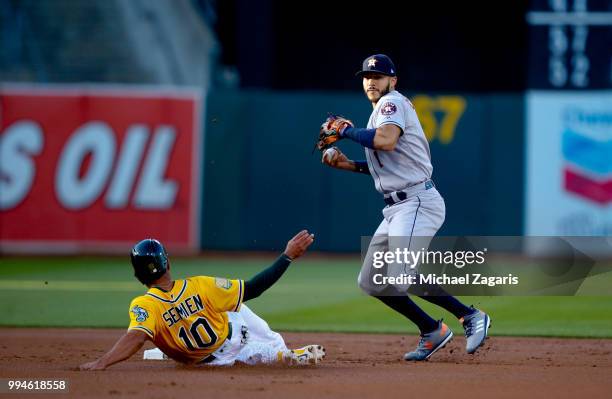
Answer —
(410, 162)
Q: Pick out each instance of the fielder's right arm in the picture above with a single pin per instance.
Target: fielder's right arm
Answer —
(336, 159)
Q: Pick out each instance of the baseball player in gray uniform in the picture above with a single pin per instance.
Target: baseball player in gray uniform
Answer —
(399, 161)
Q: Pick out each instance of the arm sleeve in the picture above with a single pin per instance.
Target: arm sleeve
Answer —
(142, 317)
(265, 279)
(391, 112)
(362, 167)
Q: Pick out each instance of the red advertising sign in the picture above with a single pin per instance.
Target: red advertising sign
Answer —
(98, 169)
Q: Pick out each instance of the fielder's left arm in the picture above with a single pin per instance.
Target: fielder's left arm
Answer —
(383, 138)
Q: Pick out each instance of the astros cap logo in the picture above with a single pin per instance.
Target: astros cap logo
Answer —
(372, 62)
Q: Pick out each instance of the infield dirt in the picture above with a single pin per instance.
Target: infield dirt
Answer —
(357, 365)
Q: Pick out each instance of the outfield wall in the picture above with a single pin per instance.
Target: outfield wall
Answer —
(97, 168)
(261, 182)
(252, 182)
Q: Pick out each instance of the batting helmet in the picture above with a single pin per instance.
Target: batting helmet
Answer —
(150, 260)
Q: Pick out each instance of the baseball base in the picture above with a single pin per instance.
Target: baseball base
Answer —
(154, 354)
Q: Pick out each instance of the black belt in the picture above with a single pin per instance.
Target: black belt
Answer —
(402, 196)
(212, 357)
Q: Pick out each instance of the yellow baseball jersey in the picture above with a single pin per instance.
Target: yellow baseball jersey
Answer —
(189, 322)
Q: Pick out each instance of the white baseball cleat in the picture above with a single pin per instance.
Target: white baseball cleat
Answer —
(310, 354)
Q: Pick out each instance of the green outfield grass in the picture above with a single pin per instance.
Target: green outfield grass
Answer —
(314, 295)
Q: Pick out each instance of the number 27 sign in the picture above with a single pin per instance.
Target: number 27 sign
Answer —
(85, 168)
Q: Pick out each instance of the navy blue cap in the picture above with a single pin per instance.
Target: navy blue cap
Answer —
(378, 63)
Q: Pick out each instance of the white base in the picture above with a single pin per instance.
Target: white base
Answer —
(154, 354)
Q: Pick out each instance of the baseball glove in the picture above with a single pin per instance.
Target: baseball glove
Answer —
(330, 131)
